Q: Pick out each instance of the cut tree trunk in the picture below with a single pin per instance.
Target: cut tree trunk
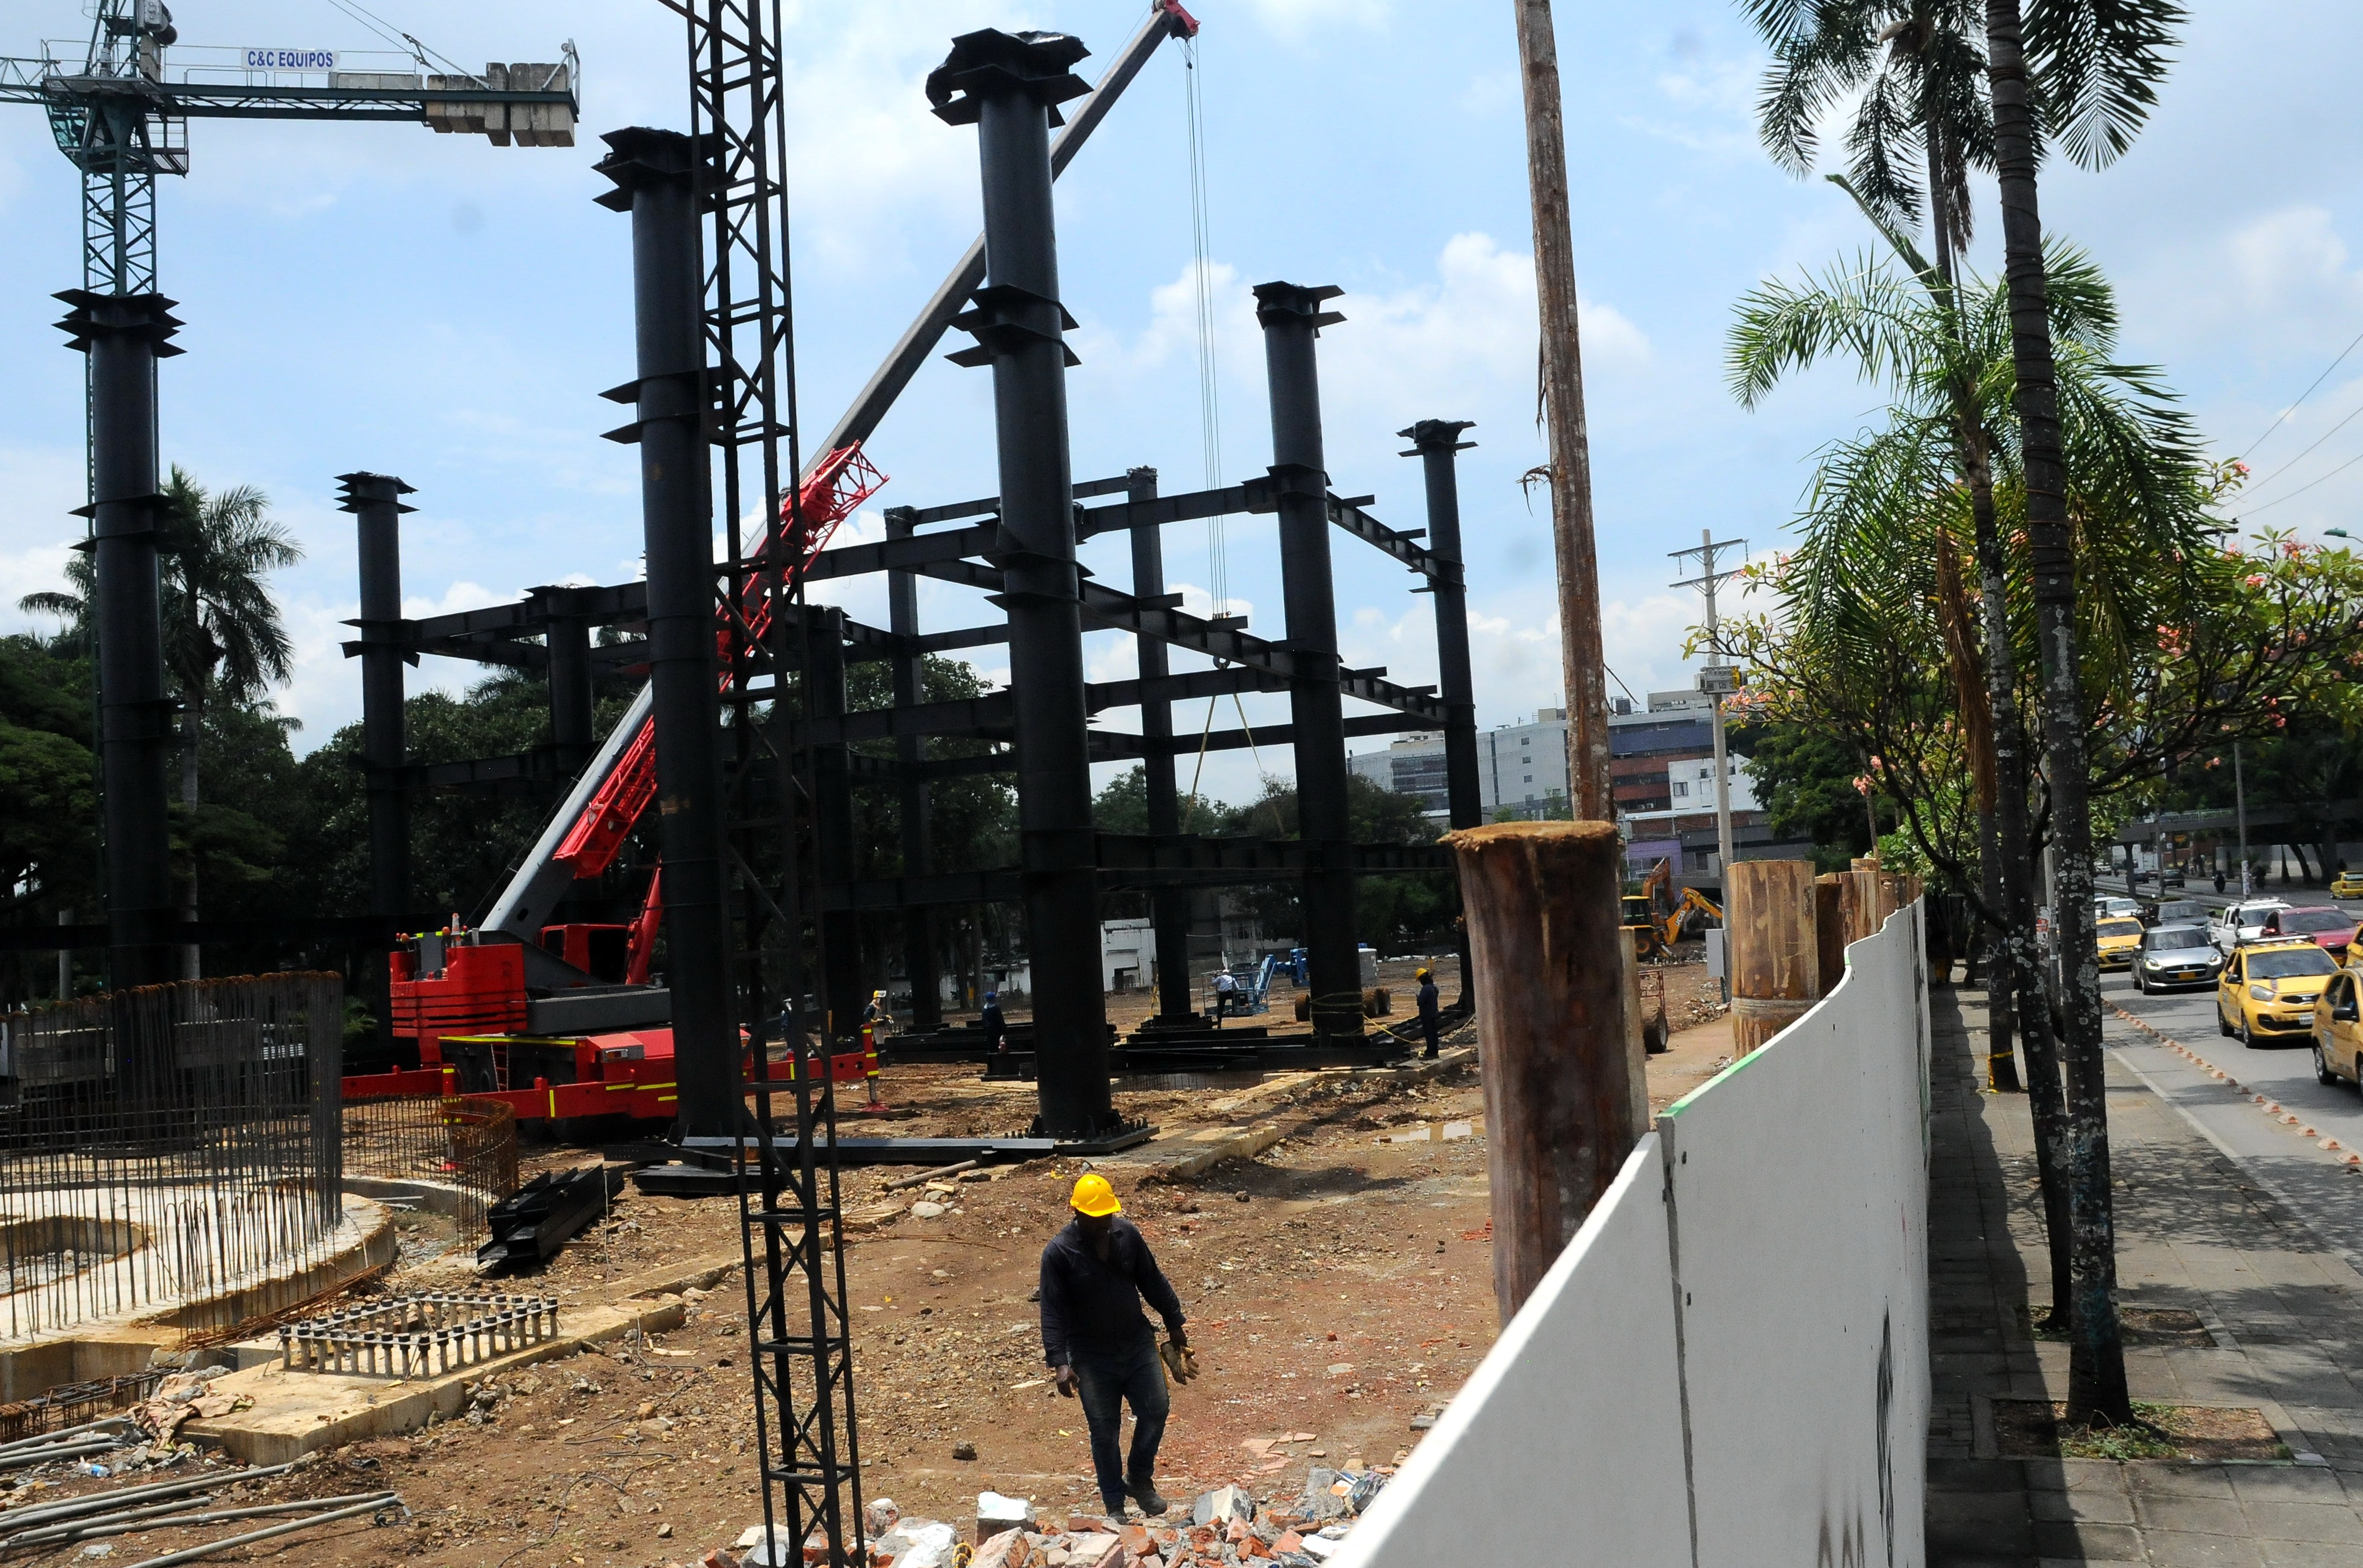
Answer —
(2096, 1369)
(1776, 972)
(1565, 1091)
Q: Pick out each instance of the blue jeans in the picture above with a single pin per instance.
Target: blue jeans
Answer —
(1106, 1378)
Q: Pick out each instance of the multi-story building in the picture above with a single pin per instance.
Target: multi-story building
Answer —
(1661, 777)
(1521, 768)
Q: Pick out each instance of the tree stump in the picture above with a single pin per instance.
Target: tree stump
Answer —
(1775, 960)
(1565, 1093)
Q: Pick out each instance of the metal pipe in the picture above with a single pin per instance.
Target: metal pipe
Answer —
(74, 1508)
(124, 335)
(269, 1532)
(910, 753)
(1007, 86)
(166, 1516)
(1435, 442)
(651, 172)
(1169, 906)
(1291, 316)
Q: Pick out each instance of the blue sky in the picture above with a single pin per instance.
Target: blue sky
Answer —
(381, 297)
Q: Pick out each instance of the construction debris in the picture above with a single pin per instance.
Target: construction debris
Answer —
(1226, 1527)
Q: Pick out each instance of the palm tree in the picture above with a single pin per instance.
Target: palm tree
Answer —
(223, 639)
(2094, 66)
(2090, 68)
(1945, 352)
(1917, 74)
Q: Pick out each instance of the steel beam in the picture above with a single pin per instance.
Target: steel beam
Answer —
(1008, 87)
(651, 172)
(832, 811)
(1291, 316)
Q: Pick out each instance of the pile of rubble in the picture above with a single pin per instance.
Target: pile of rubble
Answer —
(1227, 1528)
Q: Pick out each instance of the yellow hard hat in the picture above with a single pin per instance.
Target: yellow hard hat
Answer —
(1095, 1198)
(1423, 975)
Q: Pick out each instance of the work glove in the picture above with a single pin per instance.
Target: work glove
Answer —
(1180, 1361)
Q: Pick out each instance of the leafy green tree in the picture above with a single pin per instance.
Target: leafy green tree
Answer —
(1805, 775)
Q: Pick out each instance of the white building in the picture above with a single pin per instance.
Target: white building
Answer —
(1522, 767)
(1690, 784)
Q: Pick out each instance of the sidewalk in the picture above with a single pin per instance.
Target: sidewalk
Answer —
(2285, 1314)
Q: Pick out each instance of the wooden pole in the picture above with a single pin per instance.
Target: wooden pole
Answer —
(1775, 961)
(1565, 1095)
(1583, 665)
(1830, 934)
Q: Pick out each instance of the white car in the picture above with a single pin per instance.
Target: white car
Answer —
(2235, 923)
(2108, 907)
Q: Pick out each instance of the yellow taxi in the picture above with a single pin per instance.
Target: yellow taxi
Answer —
(2118, 937)
(2346, 885)
(2338, 1031)
(2269, 989)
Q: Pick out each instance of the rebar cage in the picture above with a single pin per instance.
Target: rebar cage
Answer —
(174, 1146)
(461, 1142)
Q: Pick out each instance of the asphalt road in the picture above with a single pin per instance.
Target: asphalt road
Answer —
(2315, 1182)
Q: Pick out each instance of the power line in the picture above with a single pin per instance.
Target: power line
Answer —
(2301, 456)
(2309, 484)
(2282, 416)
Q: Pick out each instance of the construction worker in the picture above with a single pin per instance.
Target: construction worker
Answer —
(1095, 1273)
(996, 1028)
(1226, 988)
(877, 1013)
(1428, 1015)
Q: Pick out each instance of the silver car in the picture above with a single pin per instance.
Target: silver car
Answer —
(2171, 956)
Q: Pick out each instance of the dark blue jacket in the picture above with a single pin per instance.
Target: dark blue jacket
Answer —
(1428, 1000)
(1093, 1305)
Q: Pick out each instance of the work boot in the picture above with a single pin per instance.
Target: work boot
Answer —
(1145, 1494)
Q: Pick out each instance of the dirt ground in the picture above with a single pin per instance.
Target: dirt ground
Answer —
(1337, 1285)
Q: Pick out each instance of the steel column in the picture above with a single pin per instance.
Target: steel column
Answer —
(652, 172)
(1434, 442)
(832, 797)
(569, 638)
(124, 335)
(375, 502)
(911, 752)
(1169, 908)
(1009, 87)
(1291, 316)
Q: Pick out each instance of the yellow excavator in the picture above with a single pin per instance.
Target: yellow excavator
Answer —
(1654, 932)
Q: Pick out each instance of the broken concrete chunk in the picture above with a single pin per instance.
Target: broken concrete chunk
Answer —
(880, 1516)
(996, 1514)
(1221, 1506)
(929, 1210)
(1008, 1549)
(917, 1543)
(1091, 1552)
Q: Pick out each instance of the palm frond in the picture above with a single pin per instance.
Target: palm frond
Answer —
(2094, 68)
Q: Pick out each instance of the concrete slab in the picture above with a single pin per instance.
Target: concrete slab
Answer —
(296, 1413)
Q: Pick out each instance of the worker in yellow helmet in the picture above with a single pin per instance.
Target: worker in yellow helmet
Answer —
(1428, 1019)
(1095, 1274)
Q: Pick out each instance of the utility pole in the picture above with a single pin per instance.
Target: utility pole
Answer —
(1584, 666)
(1718, 680)
(2240, 812)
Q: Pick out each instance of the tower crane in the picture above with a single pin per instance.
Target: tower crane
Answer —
(120, 115)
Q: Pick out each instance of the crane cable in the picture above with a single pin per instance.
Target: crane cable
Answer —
(1210, 422)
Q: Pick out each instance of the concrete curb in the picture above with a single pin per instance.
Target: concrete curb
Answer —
(2270, 1107)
